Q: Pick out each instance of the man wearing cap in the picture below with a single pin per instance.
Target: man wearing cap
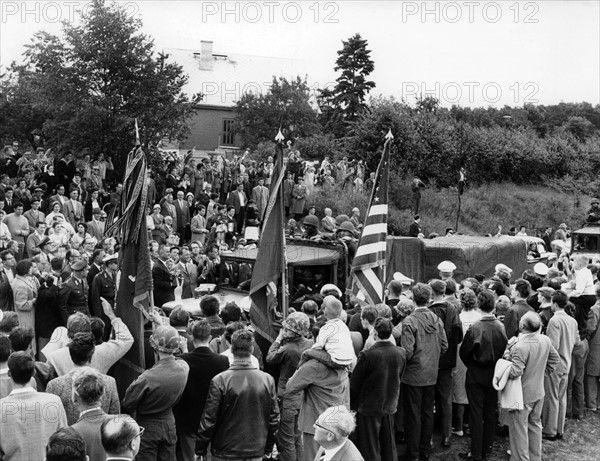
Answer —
(311, 231)
(151, 397)
(564, 334)
(544, 295)
(446, 269)
(593, 214)
(104, 285)
(73, 295)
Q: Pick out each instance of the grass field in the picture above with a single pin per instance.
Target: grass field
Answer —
(581, 442)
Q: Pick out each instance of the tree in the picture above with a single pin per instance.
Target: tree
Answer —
(286, 105)
(86, 87)
(344, 103)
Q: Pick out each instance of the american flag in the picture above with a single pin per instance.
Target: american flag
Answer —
(368, 266)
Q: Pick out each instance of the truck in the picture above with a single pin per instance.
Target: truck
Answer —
(586, 241)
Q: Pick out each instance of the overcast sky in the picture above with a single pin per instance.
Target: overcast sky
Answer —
(470, 53)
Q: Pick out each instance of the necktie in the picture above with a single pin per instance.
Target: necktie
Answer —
(322, 457)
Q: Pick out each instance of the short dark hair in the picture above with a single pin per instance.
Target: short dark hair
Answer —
(310, 307)
(242, 343)
(555, 283)
(81, 348)
(66, 444)
(209, 305)
(231, 313)
(201, 330)
(9, 322)
(4, 254)
(17, 205)
(231, 328)
(383, 327)
(370, 314)
(5, 348)
(523, 287)
(486, 301)
(21, 366)
(560, 298)
(23, 267)
(97, 327)
(450, 286)
(438, 287)
(421, 294)
(20, 338)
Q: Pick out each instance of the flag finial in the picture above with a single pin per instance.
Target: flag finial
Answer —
(279, 136)
(389, 134)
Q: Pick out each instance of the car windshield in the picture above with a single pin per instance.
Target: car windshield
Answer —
(587, 243)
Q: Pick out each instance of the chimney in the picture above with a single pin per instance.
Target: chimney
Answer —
(206, 55)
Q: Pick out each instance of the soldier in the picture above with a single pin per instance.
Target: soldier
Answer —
(73, 296)
(311, 228)
(104, 285)
(446, 269)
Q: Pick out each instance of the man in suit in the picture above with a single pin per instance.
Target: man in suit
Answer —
(73, 296)
(24, 432)
(104, 286)
(65, 169)
(58, 197)
(9, 200)
(238, 199)
(73, 209)
(6, 277)
(168, 209)
(414, 229)
(34, 215)
(34, 239)
(182, 213)
(204, 366)
(164, 281)
(260, 194)
(189, 271)
(95, 268)
(520, 307)
(532, 356)
(332, 429)
(81, 350)
(374, 392)
(96, 225)
(121, 437)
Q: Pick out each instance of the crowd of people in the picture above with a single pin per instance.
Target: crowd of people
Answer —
(343, 380)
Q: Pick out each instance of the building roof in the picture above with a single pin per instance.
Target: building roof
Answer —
(224, 77)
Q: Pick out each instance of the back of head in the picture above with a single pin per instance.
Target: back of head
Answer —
(468, 299)
(209, 305)
(21, 338)
(9, 322)
(78, 323)
(66, 444)
(88, 385)
(310, 308)
(555, 283)
(5, 348)
(530, 322)
(383, 310)
(117, 432)
(421, 294)
(97, 327)
(242, 344)
(231, 313)
(201, 331)
(231, 328)
(523, 287)
(383, 327)
(486, 301)
(450, 287)
(21, 367)
(332, 307)
(179, 317)
(81, 348)
(561, 299)
(438, 287)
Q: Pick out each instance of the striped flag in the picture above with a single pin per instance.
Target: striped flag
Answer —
(368, 266)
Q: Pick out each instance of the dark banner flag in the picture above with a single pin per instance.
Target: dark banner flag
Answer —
(135, 283)
(369, 264)
(269, 266)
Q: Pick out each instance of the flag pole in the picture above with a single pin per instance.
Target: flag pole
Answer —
(284, 275)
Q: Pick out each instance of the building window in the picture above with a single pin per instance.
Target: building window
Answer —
(228, 132)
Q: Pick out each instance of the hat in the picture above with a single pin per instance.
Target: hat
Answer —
(97, 211)
(330, 287)
(346, 226)
(79, 265)
(595, 200)
(341, 218)
(546, 292)
(446, 267)
(562, 226)
(165, 339)
(109, 258)
(503, 268)
(298, 323)
(540, 269)
(403, 279)
(311, 220)
(355, 209)
(39, 189)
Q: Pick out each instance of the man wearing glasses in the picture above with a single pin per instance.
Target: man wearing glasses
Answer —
(121, 437)
(332, 429)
